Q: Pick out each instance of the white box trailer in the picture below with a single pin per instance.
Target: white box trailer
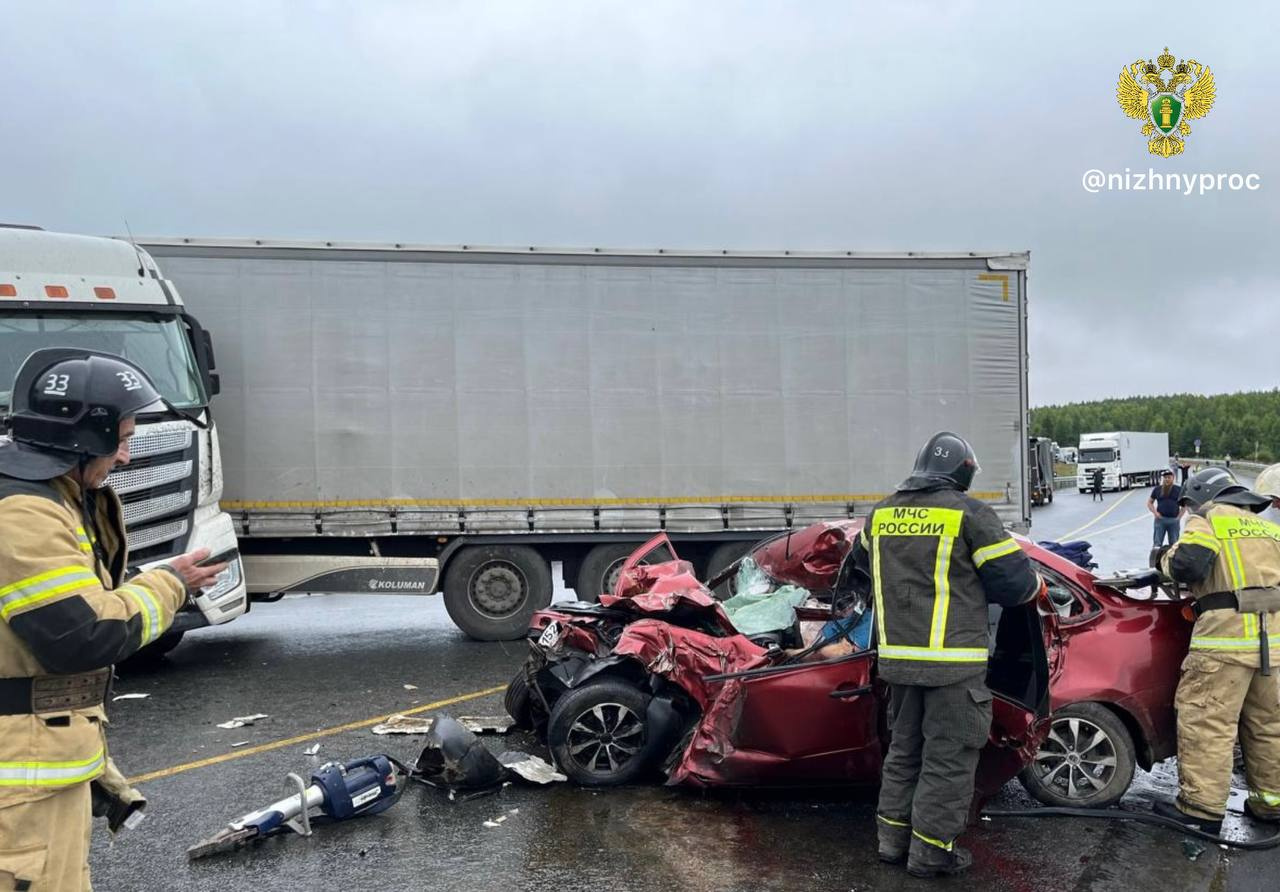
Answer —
(1126, 458)
(393, 415)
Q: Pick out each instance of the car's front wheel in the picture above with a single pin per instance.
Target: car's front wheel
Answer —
(1087, 760)
(599, 734)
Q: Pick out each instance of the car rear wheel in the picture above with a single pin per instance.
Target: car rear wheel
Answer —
(599, 734)
(1087, 761)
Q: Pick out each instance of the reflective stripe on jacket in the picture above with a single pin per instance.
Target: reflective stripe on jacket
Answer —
(1228, 549)
(936, 558)
(64, 612)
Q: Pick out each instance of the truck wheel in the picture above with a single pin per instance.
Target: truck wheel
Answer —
(721, 557)
(599, 734)
(600, 568)
(492, 591)
(1087, 761)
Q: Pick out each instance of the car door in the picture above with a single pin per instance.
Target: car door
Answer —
(806, 723)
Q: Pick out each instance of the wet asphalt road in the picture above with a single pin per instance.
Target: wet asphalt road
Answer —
(319, 663)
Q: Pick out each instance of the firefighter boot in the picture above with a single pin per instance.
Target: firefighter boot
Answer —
(1265, 817)
(927, 859)
(1167, 808)
(894, 837)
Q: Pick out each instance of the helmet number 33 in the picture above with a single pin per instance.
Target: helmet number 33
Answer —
(129, 379)
(56, 385)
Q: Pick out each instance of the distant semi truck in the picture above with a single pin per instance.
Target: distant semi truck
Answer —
(1126, 458)
(405, 419)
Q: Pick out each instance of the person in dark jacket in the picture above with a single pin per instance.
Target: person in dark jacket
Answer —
(936, 558)
(1096, 480)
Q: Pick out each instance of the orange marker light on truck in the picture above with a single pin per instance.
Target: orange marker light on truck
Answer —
(55, 290)
(7, 290)
(104, 293)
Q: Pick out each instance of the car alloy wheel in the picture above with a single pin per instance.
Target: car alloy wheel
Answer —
(606, 737)
(1078, 758)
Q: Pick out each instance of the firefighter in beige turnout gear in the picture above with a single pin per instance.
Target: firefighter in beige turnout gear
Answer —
(68, 613)
(1230, 559)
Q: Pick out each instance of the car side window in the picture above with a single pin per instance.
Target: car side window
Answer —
(1068, 601)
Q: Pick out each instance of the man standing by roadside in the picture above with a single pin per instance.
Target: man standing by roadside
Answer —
(1165, 507)
(1096, 489)
(936, 558)
(67, 612)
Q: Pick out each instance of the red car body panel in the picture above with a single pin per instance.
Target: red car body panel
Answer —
(804, 723)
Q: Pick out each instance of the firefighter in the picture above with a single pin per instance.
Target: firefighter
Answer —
(936, 558)
(1268, 484)
(1230, 559)
(68, 613)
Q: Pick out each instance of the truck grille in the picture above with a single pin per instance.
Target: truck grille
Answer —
(158, 490)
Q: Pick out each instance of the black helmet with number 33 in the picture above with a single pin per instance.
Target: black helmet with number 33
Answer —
(946, 459)
(67, 406)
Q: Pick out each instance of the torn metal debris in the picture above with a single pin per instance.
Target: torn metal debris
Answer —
(404, 724)
(241, 721)
(487, 724)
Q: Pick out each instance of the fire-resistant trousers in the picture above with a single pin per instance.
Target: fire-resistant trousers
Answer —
(937, 734)
(1214, 698)
(44, 845)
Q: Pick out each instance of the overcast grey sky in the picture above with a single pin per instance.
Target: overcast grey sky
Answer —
(814, 125)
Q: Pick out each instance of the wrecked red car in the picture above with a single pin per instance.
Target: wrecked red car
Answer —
(655, 680)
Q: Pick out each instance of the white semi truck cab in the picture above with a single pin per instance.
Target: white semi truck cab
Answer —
(59, 290)
(1126, 458)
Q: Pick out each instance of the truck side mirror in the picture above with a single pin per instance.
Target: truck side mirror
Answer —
(202, 344)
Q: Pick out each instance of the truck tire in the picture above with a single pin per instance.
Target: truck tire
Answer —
(721, 557)
(600, 569)
(492, 591)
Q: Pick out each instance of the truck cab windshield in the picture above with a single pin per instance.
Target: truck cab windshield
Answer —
(157, 344)
(1092, 456)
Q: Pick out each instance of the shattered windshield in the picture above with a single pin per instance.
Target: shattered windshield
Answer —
(158, 345)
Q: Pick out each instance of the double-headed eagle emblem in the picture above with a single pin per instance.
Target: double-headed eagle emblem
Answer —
(1166, 106)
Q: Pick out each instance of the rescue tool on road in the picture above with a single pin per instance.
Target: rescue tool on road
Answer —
(340, 791)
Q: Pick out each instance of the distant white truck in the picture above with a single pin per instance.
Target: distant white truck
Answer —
(1126, 458)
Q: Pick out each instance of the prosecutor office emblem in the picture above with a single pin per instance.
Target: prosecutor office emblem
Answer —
(1166, 105)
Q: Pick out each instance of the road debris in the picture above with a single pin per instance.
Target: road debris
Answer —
(242, 720)
(455, 758)
(531, 768)
(1192, 849)
(311, 750)
(119, 697)
(411, 687)
(487, 724)
(239, 743)
(404, 724)
(495, 822)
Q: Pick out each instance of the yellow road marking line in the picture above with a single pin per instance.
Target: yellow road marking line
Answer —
(303, 738)
(1118, 503)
